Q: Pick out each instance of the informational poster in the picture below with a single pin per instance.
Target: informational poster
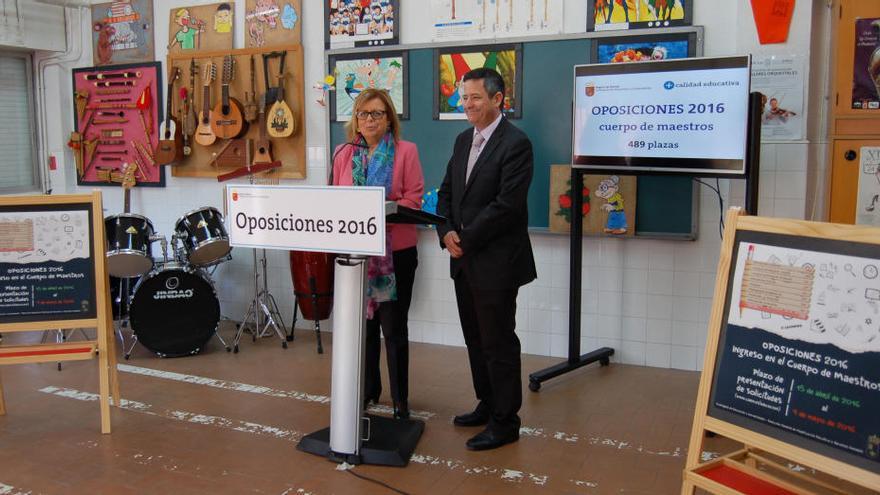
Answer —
(800, 347)
(866, 66)
(46, 266)
(868, 202)
(780, 78)
(455, 20)
(122, 32)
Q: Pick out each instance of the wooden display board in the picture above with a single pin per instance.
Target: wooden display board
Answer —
(792, 364)
(54, 276)
(290, 151)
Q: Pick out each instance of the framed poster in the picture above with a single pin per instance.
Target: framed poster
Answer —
(780, 78)
(866, 66)
(452, 63)
(351, 23)
(272, 23)
(609, 203)
(203, 27)
(465, 20)
(607, 15)
(619, 49)
(122, 32)
(354, 73)
(113, 130)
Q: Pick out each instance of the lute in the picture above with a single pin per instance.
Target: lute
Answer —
(228, 119)
(280, 121)
(170, 149)
(204, 134)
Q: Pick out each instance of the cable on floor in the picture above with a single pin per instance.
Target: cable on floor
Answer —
(373, 480)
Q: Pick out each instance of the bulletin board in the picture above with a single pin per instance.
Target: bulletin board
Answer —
(794, 341)
(114, 130)
(290, 151)
(668, 205)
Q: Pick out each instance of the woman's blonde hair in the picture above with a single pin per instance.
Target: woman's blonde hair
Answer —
(371, 94)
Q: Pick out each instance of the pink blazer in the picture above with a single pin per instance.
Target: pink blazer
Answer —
(407, 185)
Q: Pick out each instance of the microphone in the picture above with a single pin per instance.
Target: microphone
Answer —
(342, 147)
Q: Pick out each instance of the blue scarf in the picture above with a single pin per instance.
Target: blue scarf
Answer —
(377, 170)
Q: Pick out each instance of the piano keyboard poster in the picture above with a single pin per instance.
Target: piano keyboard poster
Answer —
(800, 348)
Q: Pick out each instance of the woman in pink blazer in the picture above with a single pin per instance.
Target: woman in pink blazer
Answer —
(376, 156)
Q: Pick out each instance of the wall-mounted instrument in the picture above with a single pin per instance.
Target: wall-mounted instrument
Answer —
(280, 121)
(189, 123)
(204, 134)
(228, 119)
(116, 75)
(250, 99)
(263, 146)
(170, 149)
(187, 130)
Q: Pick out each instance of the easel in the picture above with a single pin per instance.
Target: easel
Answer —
(96, 310)
(732, 473)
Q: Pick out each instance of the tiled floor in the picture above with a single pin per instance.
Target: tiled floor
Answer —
(197, 425)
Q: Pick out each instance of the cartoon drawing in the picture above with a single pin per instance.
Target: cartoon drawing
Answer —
(350, 88)
(223, 19)
(190, 28)
(609, 191)
(121, 15)
(105, 52)
(288, 17)
(265, 15)
(357, 74)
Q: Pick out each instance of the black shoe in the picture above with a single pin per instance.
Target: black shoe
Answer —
(370, 400)
(401, 410)
(478, 417)
(487, 439)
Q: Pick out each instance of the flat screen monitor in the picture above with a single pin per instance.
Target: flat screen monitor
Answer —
(687, 117)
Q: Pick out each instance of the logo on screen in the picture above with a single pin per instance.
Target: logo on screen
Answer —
(668, 85)
(590, 89)
(235, 196)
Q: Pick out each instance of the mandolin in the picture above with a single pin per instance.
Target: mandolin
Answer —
(280, 121)
(204, 134)
(262, 146)
(227, 120)
(170, 149)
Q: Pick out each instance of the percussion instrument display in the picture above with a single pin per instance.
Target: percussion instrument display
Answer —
(313, 283)
(203, 235)
(174, 310)
(129, 251)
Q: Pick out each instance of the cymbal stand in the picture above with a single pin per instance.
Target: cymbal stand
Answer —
(126, 353)
(263, 310)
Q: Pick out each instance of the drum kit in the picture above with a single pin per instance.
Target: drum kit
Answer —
(171, 304)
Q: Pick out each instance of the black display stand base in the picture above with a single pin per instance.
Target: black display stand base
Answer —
(391, 443)
(602, 354)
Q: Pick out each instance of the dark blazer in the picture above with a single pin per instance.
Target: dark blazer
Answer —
(490, 212)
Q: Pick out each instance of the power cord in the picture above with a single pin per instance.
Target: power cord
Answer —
(717, 189)
(373, 480)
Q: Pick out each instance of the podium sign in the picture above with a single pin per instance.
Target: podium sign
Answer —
(307, 218)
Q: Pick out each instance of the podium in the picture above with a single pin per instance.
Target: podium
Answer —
(353, 436)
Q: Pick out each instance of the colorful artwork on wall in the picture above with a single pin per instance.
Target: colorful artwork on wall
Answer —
(351, 23)
(272, 23)
(203, 27)
(607, 15)
(866, 66)
(354, 73)
(122, 32)
(453, 63)
(609, 203)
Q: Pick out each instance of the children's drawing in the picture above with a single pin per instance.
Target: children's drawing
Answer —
(609, 190)
(353, 75)
(122, 32)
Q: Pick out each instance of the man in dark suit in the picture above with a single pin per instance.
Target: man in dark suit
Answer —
(483, 198)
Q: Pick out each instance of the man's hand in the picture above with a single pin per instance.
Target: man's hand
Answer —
(453, 244)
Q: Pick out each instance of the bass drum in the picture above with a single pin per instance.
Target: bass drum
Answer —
(174, 310)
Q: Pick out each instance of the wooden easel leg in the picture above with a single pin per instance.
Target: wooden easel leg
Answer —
(104, 384)
(2, 403)
(687, 488)
(114, 376)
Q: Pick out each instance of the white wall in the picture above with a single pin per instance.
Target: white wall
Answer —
(648, 299)
(31, 25)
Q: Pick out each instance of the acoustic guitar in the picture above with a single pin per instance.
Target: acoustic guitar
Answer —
(170, 149)
(280, 121)
(263, 146)
(228, 119)
(204, 133)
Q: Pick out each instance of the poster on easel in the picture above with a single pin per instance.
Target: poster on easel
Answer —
(866, 65)
(122, 32)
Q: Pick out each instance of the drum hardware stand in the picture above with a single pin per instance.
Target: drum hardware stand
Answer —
(61, 336)
(263, 301)
(313, 290)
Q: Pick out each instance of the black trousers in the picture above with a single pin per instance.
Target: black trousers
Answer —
(393, 319)
(488, 321)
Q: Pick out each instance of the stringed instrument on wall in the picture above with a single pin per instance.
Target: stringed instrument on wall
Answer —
(204, 133)
(170, 149)
(250, 99)
(280, 121)
(263, 146)
(128, 181)
(228, 118)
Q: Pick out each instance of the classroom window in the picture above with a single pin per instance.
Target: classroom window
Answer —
(18, 163)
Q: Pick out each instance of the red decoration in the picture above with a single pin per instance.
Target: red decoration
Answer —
(772, 18)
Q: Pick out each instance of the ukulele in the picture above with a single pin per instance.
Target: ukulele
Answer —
(280, 121)
(250, 104)
(204, 134)
(228, 120)
(170, 149)
(263, 146)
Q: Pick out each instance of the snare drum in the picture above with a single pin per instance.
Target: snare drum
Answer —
(129, 251)
(174, 310)
(203, 235)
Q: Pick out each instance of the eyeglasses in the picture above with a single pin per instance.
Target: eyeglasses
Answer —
(376, 114)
